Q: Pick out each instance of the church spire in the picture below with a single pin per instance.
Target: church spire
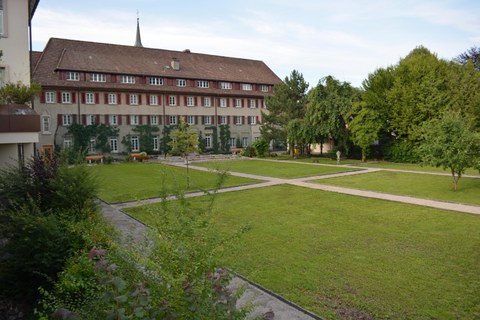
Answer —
(138, 40)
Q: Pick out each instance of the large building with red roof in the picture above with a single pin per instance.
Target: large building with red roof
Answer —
(130, 86)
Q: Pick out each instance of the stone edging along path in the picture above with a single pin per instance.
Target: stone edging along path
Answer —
(266, 302)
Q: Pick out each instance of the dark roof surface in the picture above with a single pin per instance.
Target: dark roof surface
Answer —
(73, 55)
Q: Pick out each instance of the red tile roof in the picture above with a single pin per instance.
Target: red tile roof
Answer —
(82, 56)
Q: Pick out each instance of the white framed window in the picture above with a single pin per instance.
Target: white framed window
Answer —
(246, 87)
(264, 88)
(133, 99)
(232, 142)
(154, 120)
(172, 100)
(66, 97)
(223, 119)
(134, 120)
(2, 27)
(252, 120)
(253, 103)
(153, 100)
(226, 85)
(238, 120)
(92, 146)
(113, 144)
(89, 98)
(191, 120)
(67, 143)
(135, 143)
(223, 102)
(190, 101)
(238, 103)
(173, 120)
(155, 142)
(203, 84)
(127, 79)
(207, 102)
(73, 76)
(45, 124)
(113, 120)
(181, 83)
(66, 119)
(245, 142)
(155, 81)
(98, 77)
(112, 98)
(208, 141)
(49, 97)
(90, 119)
(207, 120)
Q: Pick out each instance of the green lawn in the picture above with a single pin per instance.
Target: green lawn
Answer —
(412, 184)
(349, 257)
(408, 166)
(273, 168)
(135, 181)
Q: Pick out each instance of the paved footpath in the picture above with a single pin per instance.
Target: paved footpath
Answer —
(268, 304)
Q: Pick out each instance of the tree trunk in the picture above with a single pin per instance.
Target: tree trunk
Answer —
(188, 173)
(364, 156)
(455, 180)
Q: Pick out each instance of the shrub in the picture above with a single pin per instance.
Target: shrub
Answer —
(261, 147)
(402, 151)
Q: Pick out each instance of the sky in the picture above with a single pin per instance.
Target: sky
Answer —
(347, 39)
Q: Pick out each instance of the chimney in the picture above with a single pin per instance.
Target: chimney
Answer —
(175, 64)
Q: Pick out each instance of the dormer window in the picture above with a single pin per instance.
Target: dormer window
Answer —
(155, 81)
(98, 77)
(264, 88)
(202, 84)
(226, 85)
(127, 79)
(181, 83)
(72, 76)
(246, 87)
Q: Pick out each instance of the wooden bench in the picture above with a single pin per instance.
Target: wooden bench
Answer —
(236, 150)
(140, 156)
(96, 158)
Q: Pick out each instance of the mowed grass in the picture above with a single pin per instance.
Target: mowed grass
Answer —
(273, 168)
(412, 184)
(135, 181)
(343, 257)
(408, 166)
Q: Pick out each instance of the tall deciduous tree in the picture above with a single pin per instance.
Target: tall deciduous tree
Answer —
(418, 93)
(288, 102)
(370, 117)
(452, 143)
(329, 108)
(184, 141)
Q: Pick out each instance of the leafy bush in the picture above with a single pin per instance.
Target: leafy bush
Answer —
(18, 93)
(248, 152)
(44, 206)
(402, 151)
(261, 147)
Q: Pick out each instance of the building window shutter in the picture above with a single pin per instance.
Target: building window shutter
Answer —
(228, 120)
(149, 120)
(242, 103)
(213, 120)
(147, 101)
(105, 98)
(127, 99)
(140, 120)
(128, 120)
(196, 101)
(97, 98)
(82, 97)
(119, 99)
(42, 97)
(178, 101)
(119, 120)
(168, 120)
(84, 119)
(196, 119)
(139, 99)
(228, 102)
(74, 97)
(74, 118)
(59, 97)
(160, 120)
(107, 119)
(59, 120)
(258, 120)
(97, 121)
(185, 100)
(203, 119)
